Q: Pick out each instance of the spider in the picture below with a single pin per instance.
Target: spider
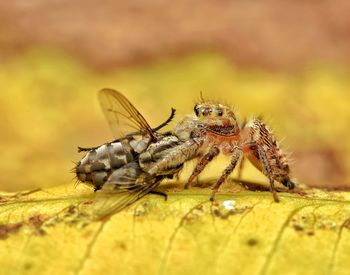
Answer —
(219, 131)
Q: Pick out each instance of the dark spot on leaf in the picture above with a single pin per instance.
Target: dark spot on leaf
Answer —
(123, 246)
(71, 210)
(252, 242)
(36, 223)
(298, 227)
(347, 224)
(7, 229)
(223, 216)
(28, 266)
(37, 220)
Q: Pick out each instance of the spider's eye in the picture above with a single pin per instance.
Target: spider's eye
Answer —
(219, 112)
(196, 111)
(206, 111)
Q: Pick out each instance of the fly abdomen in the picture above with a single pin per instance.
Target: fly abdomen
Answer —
(99, 163)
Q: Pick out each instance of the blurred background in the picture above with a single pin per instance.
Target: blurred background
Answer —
(286, 60)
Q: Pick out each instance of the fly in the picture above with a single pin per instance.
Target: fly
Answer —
(113, 167)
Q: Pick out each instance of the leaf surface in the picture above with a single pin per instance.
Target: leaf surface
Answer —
(243, 232)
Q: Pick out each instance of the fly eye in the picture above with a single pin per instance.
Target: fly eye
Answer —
(196, 111)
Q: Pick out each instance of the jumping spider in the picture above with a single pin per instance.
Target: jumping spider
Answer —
(213, 130)
(219, 131)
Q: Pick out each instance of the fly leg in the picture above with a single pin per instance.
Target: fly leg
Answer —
(228, 170)
(85, 149)
(160, 193)
(213, 152)
(267, 170)
(165, 123)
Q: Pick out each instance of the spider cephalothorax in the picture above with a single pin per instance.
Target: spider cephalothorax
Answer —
(217, 118)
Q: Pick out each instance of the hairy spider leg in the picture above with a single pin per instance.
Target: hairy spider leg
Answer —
(236, 155)
(213, 152)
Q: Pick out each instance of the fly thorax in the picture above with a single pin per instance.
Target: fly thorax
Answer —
(139, 145)
(187, 128)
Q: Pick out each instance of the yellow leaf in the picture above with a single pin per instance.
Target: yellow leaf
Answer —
(243, 232)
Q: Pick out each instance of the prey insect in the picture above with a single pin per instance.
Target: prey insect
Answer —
(114, 167)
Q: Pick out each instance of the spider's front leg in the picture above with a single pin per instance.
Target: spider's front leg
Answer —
(167, 157)
(213, 152)
(236, 154)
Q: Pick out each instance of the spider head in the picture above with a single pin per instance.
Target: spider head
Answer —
(216, 115)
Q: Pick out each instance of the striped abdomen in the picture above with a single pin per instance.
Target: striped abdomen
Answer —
(99, 163)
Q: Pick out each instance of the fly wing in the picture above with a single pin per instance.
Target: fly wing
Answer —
(122, 116)
(124, 187)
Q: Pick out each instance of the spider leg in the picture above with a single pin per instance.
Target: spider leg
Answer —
(263, 151)
(267, 171)
(213, 152)
(288, 183)
(228, 170)
(169, 161)
(240, 168)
